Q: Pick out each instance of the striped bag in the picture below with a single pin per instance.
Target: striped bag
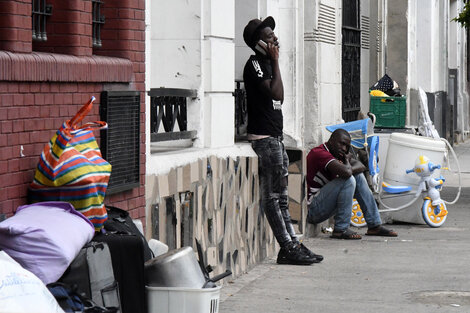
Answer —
(72, 169)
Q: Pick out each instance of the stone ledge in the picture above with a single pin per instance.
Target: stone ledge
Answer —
(40, 66)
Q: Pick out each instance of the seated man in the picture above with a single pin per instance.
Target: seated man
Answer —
(334, 179)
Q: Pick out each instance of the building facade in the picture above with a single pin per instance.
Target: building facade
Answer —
(56, 55)
(332, 51)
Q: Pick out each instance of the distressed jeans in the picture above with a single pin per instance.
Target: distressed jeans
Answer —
(272, 169)
(336, 197)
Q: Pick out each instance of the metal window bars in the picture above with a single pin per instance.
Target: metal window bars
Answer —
(241, 113)
(168, 111)
(39, 13)
(97, 22)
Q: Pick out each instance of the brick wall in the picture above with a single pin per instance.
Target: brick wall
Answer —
(69, 28)
(15, 25)
(40, 88)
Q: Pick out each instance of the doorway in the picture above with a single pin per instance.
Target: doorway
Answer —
(351, 60)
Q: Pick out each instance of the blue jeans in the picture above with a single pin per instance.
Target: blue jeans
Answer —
(272, 169)
(336, 198)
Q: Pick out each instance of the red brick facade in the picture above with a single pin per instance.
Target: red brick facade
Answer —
(44, 83)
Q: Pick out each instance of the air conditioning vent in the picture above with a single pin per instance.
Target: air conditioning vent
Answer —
(120, 143)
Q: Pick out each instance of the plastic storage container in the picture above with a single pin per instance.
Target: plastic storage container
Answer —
(182, 300)
(389, 111)
(403, 150)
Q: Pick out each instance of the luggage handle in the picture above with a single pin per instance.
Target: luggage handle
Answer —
(95, 245)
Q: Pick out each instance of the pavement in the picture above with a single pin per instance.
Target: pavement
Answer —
(424, 269)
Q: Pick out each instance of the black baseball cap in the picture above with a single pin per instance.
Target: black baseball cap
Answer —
(254, 26)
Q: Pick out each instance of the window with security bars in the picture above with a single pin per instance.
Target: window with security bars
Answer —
(168, 114)
(97, 22)
(120, 142)
(39, 13)
(351, 60)
(241, 112)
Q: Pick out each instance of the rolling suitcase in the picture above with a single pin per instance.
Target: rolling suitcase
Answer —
(120, 222)
(127, 254)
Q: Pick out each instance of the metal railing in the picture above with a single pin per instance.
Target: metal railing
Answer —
(168, 114)
(241, 113)
(97, 22)
(39, 12)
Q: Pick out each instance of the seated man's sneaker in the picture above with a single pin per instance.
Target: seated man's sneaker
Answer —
(294, 256)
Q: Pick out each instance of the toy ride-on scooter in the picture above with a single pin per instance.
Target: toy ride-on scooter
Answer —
(434, 209)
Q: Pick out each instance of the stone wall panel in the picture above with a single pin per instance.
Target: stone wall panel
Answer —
(226, 219)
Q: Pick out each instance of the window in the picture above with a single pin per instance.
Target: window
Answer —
(168, 116)
(241, 111)
(40, 12)
(98, 21)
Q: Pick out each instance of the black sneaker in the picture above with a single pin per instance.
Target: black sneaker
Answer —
(294, 256)
(316, 257)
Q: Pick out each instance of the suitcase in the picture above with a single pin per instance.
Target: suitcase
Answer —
(92, 276)
(120, 222)
(127, 254)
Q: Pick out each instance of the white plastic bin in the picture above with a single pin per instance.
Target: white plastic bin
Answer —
(403, 150)
(182, 300)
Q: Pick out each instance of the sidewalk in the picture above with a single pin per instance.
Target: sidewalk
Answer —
(423, 270)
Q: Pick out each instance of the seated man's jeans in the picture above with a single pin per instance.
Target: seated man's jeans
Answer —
(336, 197)
(272, 168)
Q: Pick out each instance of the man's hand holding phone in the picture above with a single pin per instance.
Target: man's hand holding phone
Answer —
(268, 49)
(261, 47)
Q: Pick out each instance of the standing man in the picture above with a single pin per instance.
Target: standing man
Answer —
(265, 94)
(333, 179)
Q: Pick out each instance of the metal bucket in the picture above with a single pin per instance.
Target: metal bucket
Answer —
(177, 268)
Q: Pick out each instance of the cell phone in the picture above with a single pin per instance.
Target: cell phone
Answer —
(262, 47)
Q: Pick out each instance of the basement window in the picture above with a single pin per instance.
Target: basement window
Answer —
(97, 22)
(39, 13)
(120, 143)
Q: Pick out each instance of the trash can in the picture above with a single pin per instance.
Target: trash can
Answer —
(390, 112)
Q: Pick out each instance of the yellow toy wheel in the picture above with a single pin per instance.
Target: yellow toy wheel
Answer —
(434, 215)
(357, 217)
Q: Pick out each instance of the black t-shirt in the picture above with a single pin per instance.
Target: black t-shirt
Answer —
(264, 114)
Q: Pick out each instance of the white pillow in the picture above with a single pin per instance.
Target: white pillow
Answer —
(21, 291)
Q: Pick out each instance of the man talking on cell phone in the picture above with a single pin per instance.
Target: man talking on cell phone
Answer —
(265, 95)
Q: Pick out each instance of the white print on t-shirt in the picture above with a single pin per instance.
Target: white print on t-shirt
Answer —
(257, 68)
(277, 105)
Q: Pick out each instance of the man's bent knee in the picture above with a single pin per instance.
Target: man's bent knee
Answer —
(350, 182)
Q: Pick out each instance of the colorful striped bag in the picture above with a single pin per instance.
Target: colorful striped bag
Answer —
(72, 169)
